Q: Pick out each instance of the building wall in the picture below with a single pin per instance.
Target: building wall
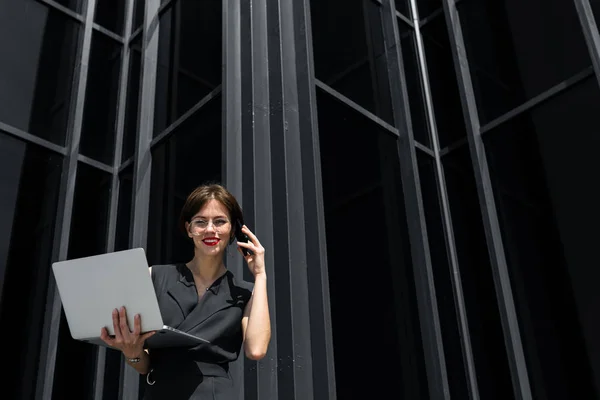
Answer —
(422, 174)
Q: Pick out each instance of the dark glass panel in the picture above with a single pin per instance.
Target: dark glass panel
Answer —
(74, 5)
(403, 7)
(414, 84)
(444, 287)
(544, 167)
(517, 50)
(426, 7)
(110, 14)
(76, 360)
(191, 157)
(133, 96)
(29, 183)
(486, 335)
(349, 52)
(102, 92)
(189, 58)
(138, 13)
(442, 81)
(38, 46)
(367, 239)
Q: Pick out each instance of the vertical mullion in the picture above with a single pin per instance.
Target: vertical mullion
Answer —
(435, 364)
(590, 31)
(321, 325)
(115, 183)
(512, 336)
(231, 167)
(267, 385)
(457, 290)
(142, 166)
(52, 318)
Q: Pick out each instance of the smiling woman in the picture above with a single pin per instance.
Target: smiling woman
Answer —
(202, 297)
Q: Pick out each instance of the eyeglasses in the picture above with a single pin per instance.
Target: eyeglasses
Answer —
(198, 226)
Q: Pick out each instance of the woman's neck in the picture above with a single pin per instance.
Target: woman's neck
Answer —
(206, 269)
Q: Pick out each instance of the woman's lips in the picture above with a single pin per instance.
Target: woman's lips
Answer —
(211, 241)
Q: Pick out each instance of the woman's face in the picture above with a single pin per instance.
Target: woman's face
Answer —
(210, 228)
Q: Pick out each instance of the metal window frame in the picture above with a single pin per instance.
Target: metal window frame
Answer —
(433, 346)
(506, 303)
(456, 283)
(590, 32)
(50, 332)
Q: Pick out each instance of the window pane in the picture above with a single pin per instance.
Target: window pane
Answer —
(364, 210)
(76, 360)
(74, 5)
(350, 52)
(38, 47)
(442, 80)
(426, 7)
(138, 13)
(403, 6)
(133, 95)
(414, 84)
(29, 183)
(518, 49)
(189, 58)
(110, 14)
(544, 173)
(102, 92)
(486, 335)
(189, 158)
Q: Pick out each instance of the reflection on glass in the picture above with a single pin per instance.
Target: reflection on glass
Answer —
(29, 183)
(349, 52)
(544, 188)
(367, 228)
(102, 91)
(192, 156)
(189, 58)
(76, 360)
(486, 335)
(442, 81)
(38, 47)
(518, 50)
(444, 286)
(110, 15)
(414, 84)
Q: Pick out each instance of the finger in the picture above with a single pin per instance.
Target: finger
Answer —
(105, 338)
(116, 326)
(125, 331)
(137, 324)
(251, 235)
(148, 334)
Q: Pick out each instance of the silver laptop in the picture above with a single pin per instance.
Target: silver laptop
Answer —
(90, 288)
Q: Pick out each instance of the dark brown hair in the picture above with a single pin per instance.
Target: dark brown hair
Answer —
(202, 194)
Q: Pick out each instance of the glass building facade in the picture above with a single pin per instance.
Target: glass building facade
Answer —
(422, 173)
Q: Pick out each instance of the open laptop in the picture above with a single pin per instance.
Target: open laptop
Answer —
(90, 288)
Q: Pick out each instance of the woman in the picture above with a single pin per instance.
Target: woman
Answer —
(203, 298)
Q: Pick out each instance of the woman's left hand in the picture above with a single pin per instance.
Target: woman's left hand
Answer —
(256, 260)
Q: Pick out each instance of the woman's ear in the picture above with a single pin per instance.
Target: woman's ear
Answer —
(187, 229)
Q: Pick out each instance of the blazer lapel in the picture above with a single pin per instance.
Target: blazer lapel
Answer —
(210, 303)
(184, 293)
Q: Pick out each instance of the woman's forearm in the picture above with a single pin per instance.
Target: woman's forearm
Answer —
(258, 330)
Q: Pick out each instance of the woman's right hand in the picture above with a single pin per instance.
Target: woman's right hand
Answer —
(131, 343)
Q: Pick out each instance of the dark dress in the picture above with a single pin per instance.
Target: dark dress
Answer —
(200, 372)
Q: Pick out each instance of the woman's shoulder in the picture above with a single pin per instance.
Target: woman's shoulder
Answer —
(240, 286)
(165, 271)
